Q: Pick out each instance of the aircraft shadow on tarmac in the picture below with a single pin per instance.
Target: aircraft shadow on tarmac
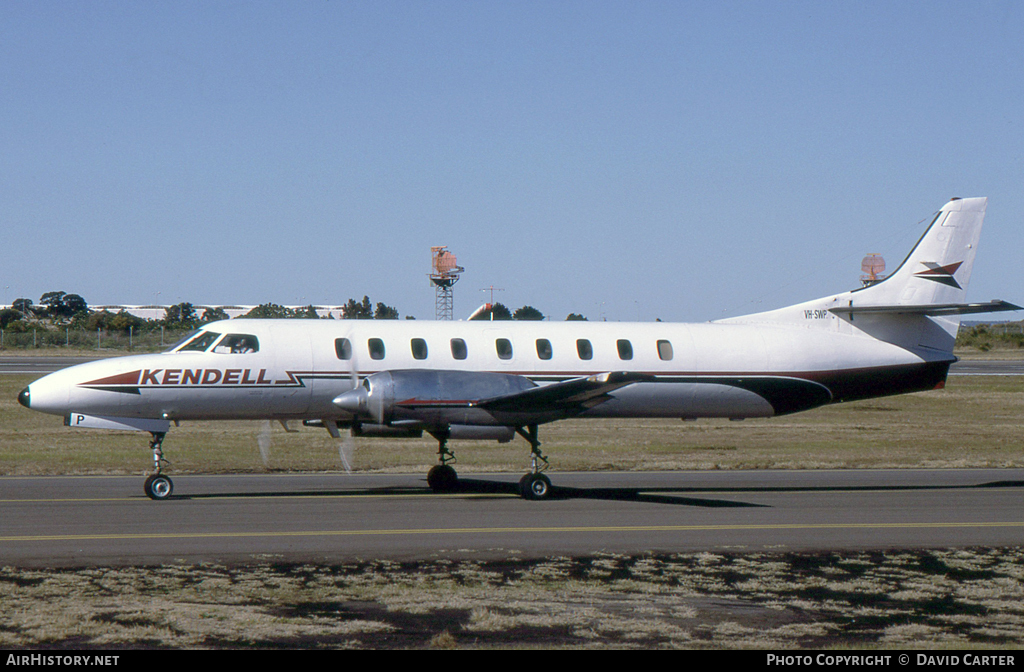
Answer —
(676, 496)
(478, 487)
(643, 495)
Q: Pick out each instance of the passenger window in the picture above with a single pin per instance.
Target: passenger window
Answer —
(419, 348)
(459, 350)
(376, 347)
(625, 348)
(343, 348)
(543, 348)
(665, 350)
(503, 346)
(200, 343)
(237, 344)
(584, 349)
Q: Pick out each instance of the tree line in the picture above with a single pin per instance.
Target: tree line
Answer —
(63, 311)
(70, 311)
(499, 311)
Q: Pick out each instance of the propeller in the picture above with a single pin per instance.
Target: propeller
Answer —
(263, 441)
(346, 451)
(347, 445)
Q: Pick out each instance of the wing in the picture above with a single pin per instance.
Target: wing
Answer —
(440, 398)
(566, 398)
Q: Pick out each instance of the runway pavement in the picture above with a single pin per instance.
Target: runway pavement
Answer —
(981, 367)
(68, 521)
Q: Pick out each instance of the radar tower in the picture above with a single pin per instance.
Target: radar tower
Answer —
(872, 266)
(445, 274)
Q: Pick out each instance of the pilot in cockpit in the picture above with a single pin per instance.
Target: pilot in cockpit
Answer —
(243, 345)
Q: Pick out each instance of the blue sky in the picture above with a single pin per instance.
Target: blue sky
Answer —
(675, 160)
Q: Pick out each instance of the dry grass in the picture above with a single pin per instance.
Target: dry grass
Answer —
(926, 599)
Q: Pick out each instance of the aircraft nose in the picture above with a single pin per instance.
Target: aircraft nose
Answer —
(24, 398)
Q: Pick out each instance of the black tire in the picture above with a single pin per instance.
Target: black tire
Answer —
(442, 478)
(534, 486)
(158, 487)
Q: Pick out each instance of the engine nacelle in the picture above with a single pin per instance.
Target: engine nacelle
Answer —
(433, 398)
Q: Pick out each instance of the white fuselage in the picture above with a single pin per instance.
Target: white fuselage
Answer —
(297, 370)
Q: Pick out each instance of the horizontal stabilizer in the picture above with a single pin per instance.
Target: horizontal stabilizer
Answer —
(930, 309)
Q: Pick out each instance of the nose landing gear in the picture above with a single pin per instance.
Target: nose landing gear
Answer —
(158, 486)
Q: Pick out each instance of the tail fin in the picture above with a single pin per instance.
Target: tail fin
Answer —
(939, 267)
(918, 306)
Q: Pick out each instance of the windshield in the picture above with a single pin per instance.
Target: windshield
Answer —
(181, 341)
(200, 342)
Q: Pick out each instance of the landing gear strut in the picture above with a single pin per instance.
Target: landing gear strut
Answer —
(158, 486)
(534, 485)
(442, 477)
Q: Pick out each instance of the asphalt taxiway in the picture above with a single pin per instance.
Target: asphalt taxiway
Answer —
(89, 520)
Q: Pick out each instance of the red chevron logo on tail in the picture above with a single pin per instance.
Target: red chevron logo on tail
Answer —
(940, 274)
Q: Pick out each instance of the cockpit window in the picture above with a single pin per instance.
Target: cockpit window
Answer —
(201, 341)
(237, 344)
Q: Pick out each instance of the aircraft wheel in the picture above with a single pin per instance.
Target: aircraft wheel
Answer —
(534, 486)
(158, 487)
(442, 478)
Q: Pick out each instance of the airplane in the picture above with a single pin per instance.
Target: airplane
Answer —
(492, 380)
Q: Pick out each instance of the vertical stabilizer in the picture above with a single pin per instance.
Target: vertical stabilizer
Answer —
(939, 267)
(918, 306)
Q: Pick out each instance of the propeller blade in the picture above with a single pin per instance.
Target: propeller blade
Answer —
(263, 441)
(347, 447)
(346, 451)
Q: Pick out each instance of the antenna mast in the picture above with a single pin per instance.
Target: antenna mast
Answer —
(445, 275)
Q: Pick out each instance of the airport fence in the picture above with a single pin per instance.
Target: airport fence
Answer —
(141, 340)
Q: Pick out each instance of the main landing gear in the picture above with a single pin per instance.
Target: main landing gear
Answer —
(534, 485)
(442, 477)
(157, 485)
